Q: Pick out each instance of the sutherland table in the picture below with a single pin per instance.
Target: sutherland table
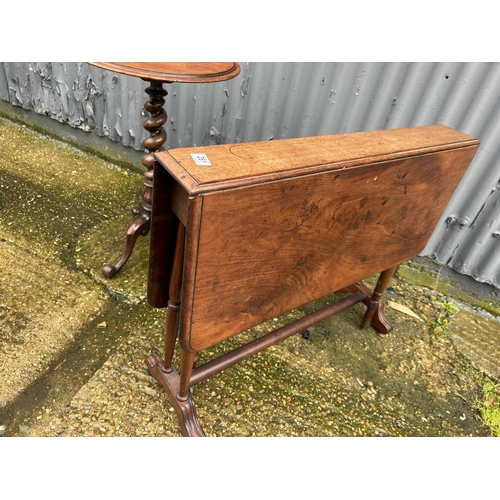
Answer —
(158, 73)
(243, 233)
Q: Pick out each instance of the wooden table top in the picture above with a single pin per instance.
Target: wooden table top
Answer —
(233, 165)
(273, 225)
(170, 72)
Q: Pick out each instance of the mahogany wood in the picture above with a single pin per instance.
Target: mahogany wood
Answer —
(271, 226)
(158, 73)
(184, 408)
(157, 137)
(376, 298)
(242, 164)
(171, 72)
(174, 303)
(378, 319)
(163, 233)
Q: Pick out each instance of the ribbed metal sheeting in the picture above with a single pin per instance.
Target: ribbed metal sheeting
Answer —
(270, 101)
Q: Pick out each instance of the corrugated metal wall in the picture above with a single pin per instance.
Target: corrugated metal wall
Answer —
(279, 100)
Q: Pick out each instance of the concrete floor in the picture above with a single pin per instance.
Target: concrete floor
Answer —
(72, 343)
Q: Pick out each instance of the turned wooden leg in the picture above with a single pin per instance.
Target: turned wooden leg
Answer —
(177, 385)
(187, 364)
(172, 323)
(184, 405)
(375, 313)
(154, 125)
(177, 388)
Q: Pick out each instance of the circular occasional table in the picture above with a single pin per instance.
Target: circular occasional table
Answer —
(157, 74)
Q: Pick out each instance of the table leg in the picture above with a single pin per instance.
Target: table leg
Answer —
(177, 384)
(172, 323)
(375, 313)
(177, 388)
(154, 125)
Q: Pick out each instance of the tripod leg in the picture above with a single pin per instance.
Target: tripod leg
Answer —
(154, 125)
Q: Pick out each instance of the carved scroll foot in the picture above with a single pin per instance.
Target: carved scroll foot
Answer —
(379, 321)
(375, 308)
(140, 227)
(185, 408)
(375, 315)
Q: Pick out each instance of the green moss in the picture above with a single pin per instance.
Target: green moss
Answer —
(416, 275)
(489, 407)
(101, 147)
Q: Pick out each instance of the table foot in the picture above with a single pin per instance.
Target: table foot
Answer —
(185, 407)
(375, 312)
(375, 315)
(379, 321)
(140, 227)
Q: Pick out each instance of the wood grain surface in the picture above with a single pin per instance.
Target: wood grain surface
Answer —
(235, 165)
(260, 250)
(170, 72)
(264, 228)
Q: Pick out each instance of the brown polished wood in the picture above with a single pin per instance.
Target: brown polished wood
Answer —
(157, 74)
(171, 72)
(271, 226)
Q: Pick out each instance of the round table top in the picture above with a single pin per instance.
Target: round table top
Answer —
(170, 72)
